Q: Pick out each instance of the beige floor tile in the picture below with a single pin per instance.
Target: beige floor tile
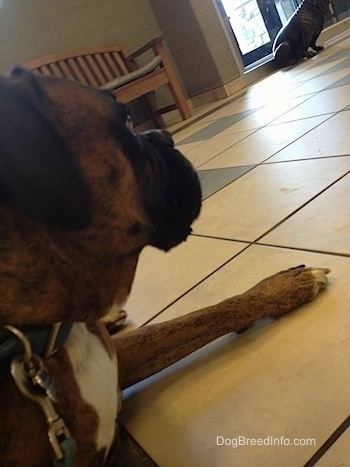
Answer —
(163, 277)
(175, 123)
(319, 83)
(265, 90)
(274, 109)
(339, 454)
(325, 102)
(318, 65)
(286, 379)
(208, 149)
(260, 199)
(185, 148)
(262, 144)
(233, 130)
(233, 108)
(324, 224)
(331, 138)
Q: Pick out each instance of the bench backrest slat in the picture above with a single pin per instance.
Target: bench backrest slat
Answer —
(98, 65)
(85, 70)
(65, 70)
(95, 68)
(75, 69)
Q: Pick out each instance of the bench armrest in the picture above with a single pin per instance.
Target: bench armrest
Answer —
(153, 44)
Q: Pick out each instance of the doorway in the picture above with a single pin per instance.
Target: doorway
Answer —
(254, 24)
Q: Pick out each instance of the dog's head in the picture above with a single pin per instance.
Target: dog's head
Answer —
(321, 6)
(80, 195)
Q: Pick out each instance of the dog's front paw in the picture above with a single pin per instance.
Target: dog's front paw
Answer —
(317, 48)
(309, 54)
(114, 319)
(289, 289)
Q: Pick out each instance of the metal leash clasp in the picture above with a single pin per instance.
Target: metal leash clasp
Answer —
(34, 381)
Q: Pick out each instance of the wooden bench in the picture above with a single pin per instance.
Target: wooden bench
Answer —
(114, 68)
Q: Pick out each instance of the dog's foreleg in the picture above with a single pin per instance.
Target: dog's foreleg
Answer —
(316, 48)
(149, 349)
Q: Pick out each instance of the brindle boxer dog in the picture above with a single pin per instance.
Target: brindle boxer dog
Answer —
(81, 195)
(300, 33)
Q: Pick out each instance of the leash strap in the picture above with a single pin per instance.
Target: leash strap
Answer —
(69, 448)
(34, 381)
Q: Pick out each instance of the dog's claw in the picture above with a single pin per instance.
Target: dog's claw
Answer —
(320, 278)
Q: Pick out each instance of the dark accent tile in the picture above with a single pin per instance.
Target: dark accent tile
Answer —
(219, 106)
(342, 82)
(342, 54)
(339, 66)
(217, 127)
(212, 180)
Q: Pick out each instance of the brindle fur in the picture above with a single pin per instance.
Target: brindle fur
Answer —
(300, 33)
(80, 196)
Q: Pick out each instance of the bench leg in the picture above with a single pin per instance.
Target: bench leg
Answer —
(179, 99)
(158, 119)
(174, 84)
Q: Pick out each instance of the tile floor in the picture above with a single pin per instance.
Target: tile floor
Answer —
(275, 169)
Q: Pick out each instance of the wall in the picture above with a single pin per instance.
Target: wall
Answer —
(197, 43)
(33, 28)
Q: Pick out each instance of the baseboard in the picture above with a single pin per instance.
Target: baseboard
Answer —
(335, 30)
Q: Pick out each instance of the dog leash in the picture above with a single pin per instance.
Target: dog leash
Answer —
(34, 381)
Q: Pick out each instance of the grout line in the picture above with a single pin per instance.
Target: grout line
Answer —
(252, 166)
(247, 245)
(207, 113)
(317, 158)
(302, 206)
(195, 285)
(331, 115)
(271, 124)
(267, 125)
(271, 245)
(329, 443)
(139, 457)
(274, 227)
(306, 250)
(235, 97)
(242, 92)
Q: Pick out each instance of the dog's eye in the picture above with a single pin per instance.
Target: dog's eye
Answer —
(129, 123)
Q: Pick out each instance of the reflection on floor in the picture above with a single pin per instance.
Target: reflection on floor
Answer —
(275, 168)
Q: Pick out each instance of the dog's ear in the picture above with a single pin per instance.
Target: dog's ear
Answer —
(38, 173)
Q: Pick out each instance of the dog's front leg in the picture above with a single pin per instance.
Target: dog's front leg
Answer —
(149, 349)
(316, 48)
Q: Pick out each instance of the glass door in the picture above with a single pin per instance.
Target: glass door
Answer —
(254, 24)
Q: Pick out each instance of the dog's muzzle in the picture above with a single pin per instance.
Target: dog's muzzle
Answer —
(172, 194)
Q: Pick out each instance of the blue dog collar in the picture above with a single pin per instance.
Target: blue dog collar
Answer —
(44, 340)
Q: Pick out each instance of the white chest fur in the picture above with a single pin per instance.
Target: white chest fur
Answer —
(97, 377)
